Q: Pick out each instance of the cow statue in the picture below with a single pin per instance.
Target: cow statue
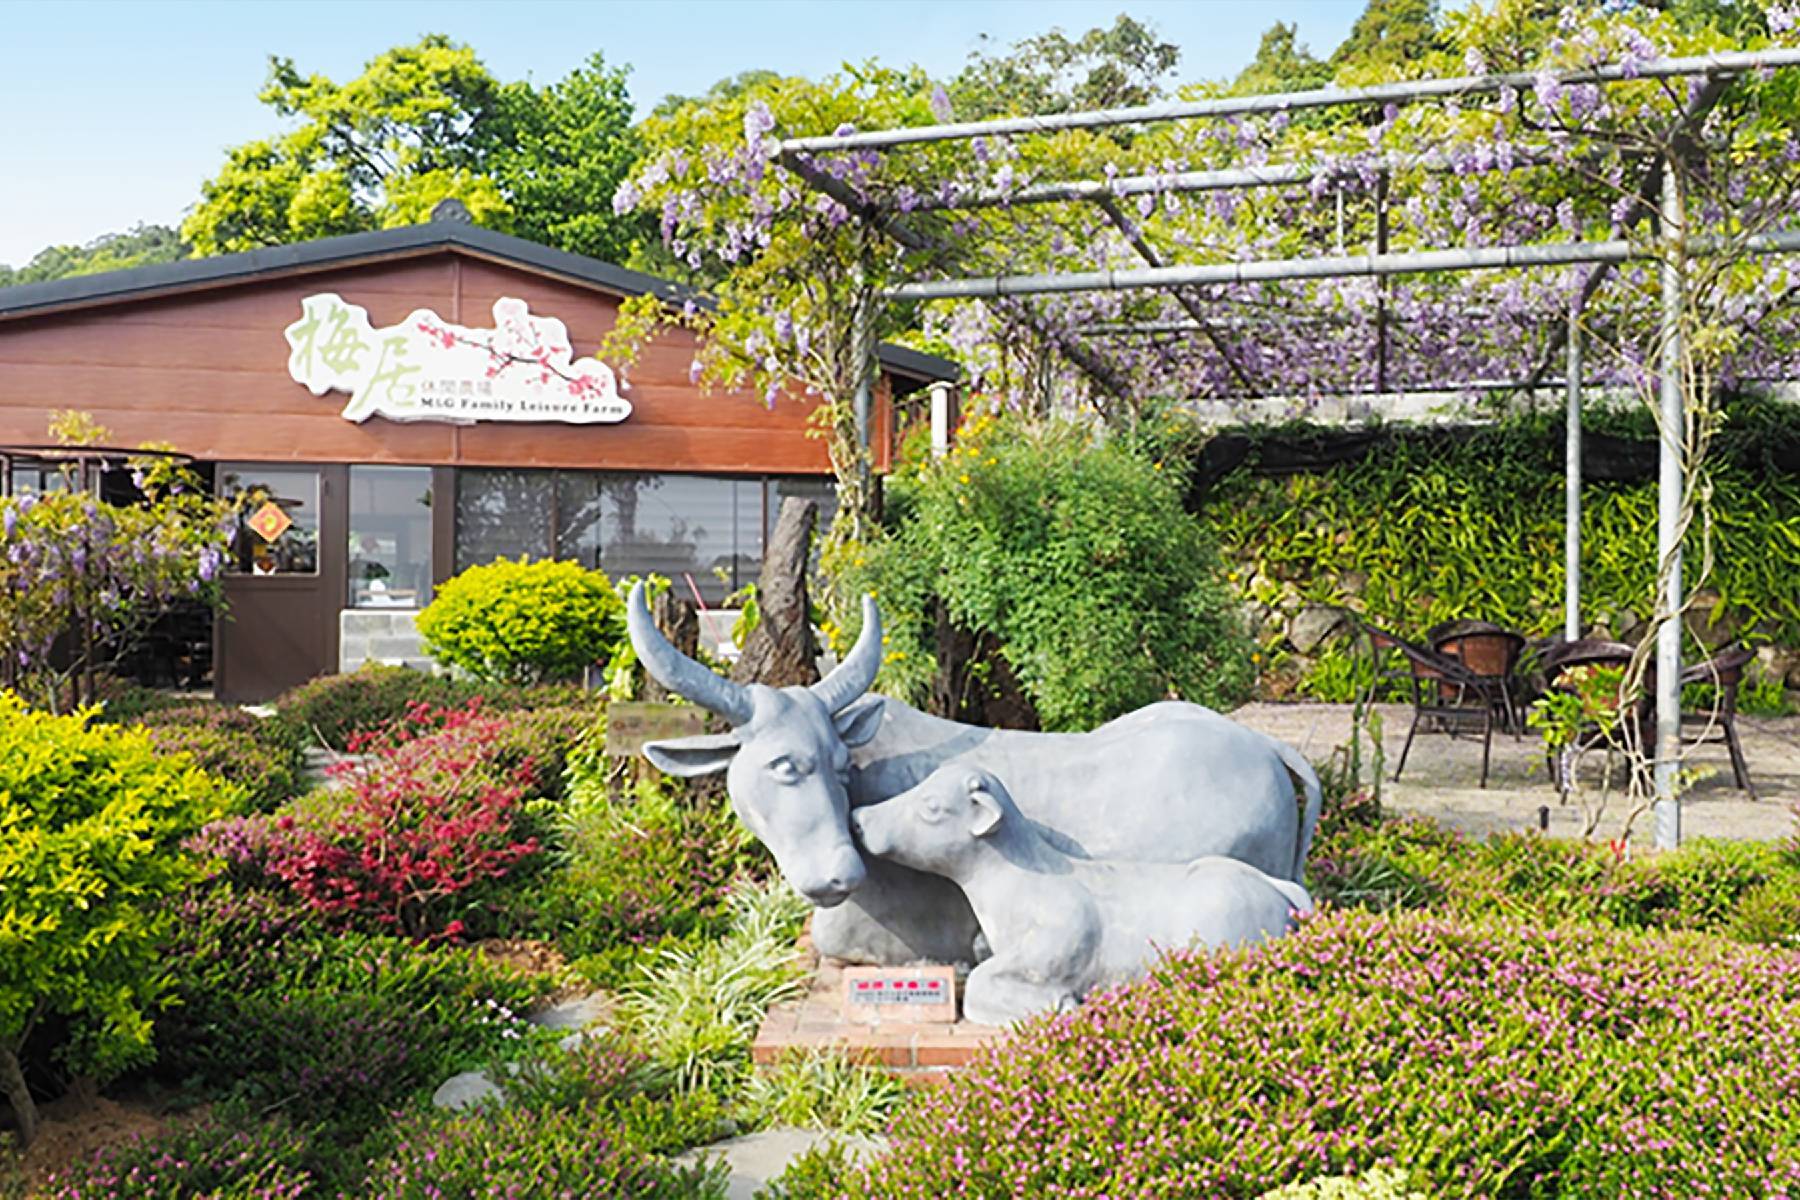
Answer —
(1169, 783)
(1061, 927)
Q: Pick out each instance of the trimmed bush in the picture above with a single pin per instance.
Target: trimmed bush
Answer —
(92, 819)
(524, 622)
(1476, 1060)
(1743, 890)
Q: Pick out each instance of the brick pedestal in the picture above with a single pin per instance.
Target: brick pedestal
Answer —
(921, 1052)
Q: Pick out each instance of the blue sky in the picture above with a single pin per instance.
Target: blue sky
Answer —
(115, 112)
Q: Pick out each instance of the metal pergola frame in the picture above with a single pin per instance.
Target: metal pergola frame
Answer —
(797, 154)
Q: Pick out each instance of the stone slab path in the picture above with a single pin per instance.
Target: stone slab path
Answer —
(1442, 776)
(757, 1158)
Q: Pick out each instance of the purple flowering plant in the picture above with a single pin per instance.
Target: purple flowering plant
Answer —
(101, 572)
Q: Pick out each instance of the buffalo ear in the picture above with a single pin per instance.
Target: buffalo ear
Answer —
(702, 754)
(988, 813)
(859, 722)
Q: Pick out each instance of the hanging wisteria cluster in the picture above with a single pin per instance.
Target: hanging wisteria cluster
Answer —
(800, 244)
(81, 580)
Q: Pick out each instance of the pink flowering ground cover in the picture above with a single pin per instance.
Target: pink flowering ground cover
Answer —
(1480, 1059)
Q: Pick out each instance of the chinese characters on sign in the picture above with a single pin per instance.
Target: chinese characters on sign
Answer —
(426, 369)
(909, 994)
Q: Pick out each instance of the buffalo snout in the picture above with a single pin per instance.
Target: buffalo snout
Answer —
(845, 875)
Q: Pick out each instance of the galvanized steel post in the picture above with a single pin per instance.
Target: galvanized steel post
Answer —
(1572, 485)
(1669, 487)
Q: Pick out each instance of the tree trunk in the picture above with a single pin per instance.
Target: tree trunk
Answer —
(975, 684)
(12, 1083)
(780, 651)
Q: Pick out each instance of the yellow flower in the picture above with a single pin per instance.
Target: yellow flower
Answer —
(964, 478)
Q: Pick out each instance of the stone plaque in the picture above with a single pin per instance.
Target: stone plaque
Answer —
(910, 994)
(629, 724)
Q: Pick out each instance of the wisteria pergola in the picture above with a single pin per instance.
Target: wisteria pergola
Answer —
(1199, 326)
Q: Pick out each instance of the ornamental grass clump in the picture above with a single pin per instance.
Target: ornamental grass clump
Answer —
(1475, 1060)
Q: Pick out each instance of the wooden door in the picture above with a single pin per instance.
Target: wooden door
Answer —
(289, 564)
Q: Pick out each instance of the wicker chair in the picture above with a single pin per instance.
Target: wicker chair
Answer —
(1447, 697)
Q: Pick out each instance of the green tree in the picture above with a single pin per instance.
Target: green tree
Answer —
(1281, 64)
(1389, 35)
(558, 153)
(1103, 68)
(422, 124)
(139, 246)
(728, 88)
(92, 820)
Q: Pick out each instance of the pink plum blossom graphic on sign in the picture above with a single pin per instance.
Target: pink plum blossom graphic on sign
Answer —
(427, 369)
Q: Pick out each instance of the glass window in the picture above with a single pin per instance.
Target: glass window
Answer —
(278, 519)
(390, 537)
(581, 501)
(33, 479)
(503, 514)
(822, 492)
(683, 526)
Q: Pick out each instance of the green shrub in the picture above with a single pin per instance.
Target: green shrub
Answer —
(812, 1173)
(1072, 555)
(532, 1152)
(273, 1008)
(261, 757)
(1769, 915)
(210, 1160)
(1491, 1060)
(524, 622)
(92, 819)
(648, 1112)
(333, 709)
(636, 869)
(1376, 1185)
(1741, 890)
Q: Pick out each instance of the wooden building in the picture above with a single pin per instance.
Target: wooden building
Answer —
(402, 404)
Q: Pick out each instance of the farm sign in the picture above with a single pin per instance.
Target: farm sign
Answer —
(426, 369)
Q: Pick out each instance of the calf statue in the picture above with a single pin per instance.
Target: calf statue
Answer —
(1169, 783)
(1060, 927)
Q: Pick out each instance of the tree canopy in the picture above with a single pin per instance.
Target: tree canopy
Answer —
(421, 124)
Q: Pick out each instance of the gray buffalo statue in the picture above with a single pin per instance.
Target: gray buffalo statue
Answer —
(1061, 927)
(1169, 783)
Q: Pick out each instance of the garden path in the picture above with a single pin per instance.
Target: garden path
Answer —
(1442, 776)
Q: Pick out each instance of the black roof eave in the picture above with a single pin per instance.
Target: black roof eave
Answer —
(113, 286)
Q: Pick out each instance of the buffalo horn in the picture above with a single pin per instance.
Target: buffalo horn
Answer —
(844, 686)
(676, 671)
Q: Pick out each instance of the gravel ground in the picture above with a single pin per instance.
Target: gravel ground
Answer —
(1443, 773)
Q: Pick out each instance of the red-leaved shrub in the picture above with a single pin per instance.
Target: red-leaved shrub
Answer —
(421, 834)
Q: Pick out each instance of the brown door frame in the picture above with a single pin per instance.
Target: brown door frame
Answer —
(330, 587)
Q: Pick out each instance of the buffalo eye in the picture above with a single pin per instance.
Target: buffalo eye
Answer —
(787, 770)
